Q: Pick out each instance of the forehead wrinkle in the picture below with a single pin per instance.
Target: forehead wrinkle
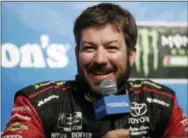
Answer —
(101, 35)
(109, 34)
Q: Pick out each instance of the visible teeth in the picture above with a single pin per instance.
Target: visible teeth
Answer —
(99, 73)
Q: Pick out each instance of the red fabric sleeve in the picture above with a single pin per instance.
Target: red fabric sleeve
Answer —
(178, 127)
(24, 122)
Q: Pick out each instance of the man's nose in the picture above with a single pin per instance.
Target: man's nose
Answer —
(100, 57)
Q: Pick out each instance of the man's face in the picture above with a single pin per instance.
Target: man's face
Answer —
(102, 55)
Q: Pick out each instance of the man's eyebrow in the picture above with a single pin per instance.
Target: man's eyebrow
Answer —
(111, 42)
(106, 43)
(87, 42)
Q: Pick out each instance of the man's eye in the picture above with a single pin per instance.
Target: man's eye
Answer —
(112, 48)
(89, 48)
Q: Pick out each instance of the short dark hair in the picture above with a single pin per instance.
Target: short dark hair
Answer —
(105, 13)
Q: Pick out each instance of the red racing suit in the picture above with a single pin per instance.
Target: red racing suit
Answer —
(64, 110)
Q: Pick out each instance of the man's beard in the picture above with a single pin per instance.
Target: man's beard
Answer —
(121, 80)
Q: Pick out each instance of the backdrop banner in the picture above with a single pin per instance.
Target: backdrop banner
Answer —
(162, 52)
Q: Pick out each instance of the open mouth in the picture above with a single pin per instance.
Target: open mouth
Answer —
(101, 75)
(98, 73)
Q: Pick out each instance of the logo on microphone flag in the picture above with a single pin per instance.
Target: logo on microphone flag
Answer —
(110, 105)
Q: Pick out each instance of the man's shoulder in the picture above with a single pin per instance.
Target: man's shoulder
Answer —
(151, 86)
(45, 87)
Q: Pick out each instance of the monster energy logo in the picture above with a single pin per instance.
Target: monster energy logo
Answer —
(147, 40)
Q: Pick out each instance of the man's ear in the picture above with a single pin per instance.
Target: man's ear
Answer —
(132, 56)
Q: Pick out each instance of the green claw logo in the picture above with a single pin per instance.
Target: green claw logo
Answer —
(147, 42)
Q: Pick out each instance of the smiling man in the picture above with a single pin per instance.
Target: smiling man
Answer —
(106, 36)
(100, 54)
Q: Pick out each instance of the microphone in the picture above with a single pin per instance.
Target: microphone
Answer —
(110, 104)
